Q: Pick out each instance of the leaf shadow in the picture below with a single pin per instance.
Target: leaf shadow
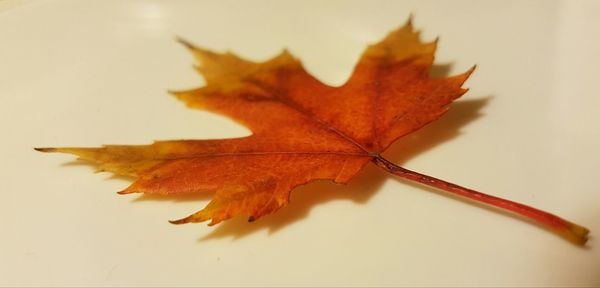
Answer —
(363, 186)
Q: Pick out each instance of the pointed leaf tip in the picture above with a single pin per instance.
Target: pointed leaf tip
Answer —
(45, 149)
(180, 221)
(185, 43)
(409, 21)
(129, 190)
(468, 73)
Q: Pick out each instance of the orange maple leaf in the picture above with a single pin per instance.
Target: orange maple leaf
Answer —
(303, 130)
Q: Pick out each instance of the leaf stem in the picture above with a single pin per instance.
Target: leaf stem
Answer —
(571, 231)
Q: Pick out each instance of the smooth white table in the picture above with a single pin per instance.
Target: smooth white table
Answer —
(87, 73)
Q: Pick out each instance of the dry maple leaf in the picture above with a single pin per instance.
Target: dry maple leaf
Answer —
(302, 130)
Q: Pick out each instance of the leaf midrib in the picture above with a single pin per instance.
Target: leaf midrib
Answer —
(265, 153)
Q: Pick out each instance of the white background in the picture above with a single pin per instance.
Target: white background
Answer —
(86, 73)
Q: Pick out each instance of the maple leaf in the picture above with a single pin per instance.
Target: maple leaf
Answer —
(302, 130)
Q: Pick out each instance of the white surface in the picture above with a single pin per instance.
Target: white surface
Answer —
(95, 72)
